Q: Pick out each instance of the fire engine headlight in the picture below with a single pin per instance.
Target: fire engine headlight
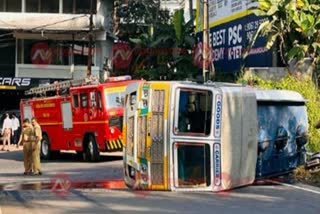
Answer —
(282, 138)
(301, 136)
(112, 130)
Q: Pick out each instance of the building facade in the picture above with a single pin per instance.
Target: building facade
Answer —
(42, 41)
(187, 5)
(49, 39)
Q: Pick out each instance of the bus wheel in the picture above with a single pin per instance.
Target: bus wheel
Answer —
(45, 148)
(91, 152)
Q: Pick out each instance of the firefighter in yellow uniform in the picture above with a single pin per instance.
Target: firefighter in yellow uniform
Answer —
(36, 147)
(26, 137)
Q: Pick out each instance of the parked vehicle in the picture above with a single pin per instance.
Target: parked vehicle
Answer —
(87, 118)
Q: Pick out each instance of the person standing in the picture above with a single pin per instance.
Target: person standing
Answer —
(36, 147)
(6, 132)
(15, 129)
(27, 137)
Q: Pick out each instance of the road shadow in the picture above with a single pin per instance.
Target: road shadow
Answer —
(12, 155)
(63, 157)
(66, 157)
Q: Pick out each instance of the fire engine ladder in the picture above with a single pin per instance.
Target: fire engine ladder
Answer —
(58, 86)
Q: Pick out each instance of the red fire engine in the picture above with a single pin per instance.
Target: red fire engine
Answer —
(81, 115)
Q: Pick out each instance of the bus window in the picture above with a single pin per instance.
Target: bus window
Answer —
(75, 98)
(193, 165)
(84, 100)
(93, 101)
(99, 100)
(195, 109)
(114, 98)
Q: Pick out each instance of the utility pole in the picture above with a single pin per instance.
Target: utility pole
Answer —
(90, 41)
(205, 46)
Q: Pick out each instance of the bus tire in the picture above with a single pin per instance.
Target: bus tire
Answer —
(45, 150)
(91, 152)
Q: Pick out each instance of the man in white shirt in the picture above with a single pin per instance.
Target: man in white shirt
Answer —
(15, 129)
(6, 132)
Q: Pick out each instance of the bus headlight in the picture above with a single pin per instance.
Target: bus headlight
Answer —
(112, 130)
(282, 138)
(263, 142)
(301, 136)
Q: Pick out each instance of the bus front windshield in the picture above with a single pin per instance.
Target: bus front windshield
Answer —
(114, 97)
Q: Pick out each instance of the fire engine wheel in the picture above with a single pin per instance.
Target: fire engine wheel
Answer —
(45, 148)
(91, 152)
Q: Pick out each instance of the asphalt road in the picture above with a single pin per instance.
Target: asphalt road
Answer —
(280, 198)
(11, 168)
(254, 199)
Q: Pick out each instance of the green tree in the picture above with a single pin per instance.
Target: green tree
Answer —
(138, 17)
(293, 27)
(169, 41)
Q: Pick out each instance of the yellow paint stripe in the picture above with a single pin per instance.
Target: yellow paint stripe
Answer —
(120, 144)
(115, 89)
(198, 15)
(111, 144)
(108, 147)
(50, 124)
(226, 19)
(157, 187)
(165, 172)
(117, 145)
(76, 123)
(8, 87)
(92, 122)
(114, 144)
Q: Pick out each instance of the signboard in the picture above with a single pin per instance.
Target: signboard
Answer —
(232, 25)
(217, 164)
(21, 83)
(218, 116)
(220, 11)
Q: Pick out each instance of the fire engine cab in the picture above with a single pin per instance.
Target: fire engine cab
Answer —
(80, 115)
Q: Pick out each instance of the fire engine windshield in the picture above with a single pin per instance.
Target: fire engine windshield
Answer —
(114, 97)
(195, 109)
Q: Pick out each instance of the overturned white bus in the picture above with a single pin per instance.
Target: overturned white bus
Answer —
(185, 136)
